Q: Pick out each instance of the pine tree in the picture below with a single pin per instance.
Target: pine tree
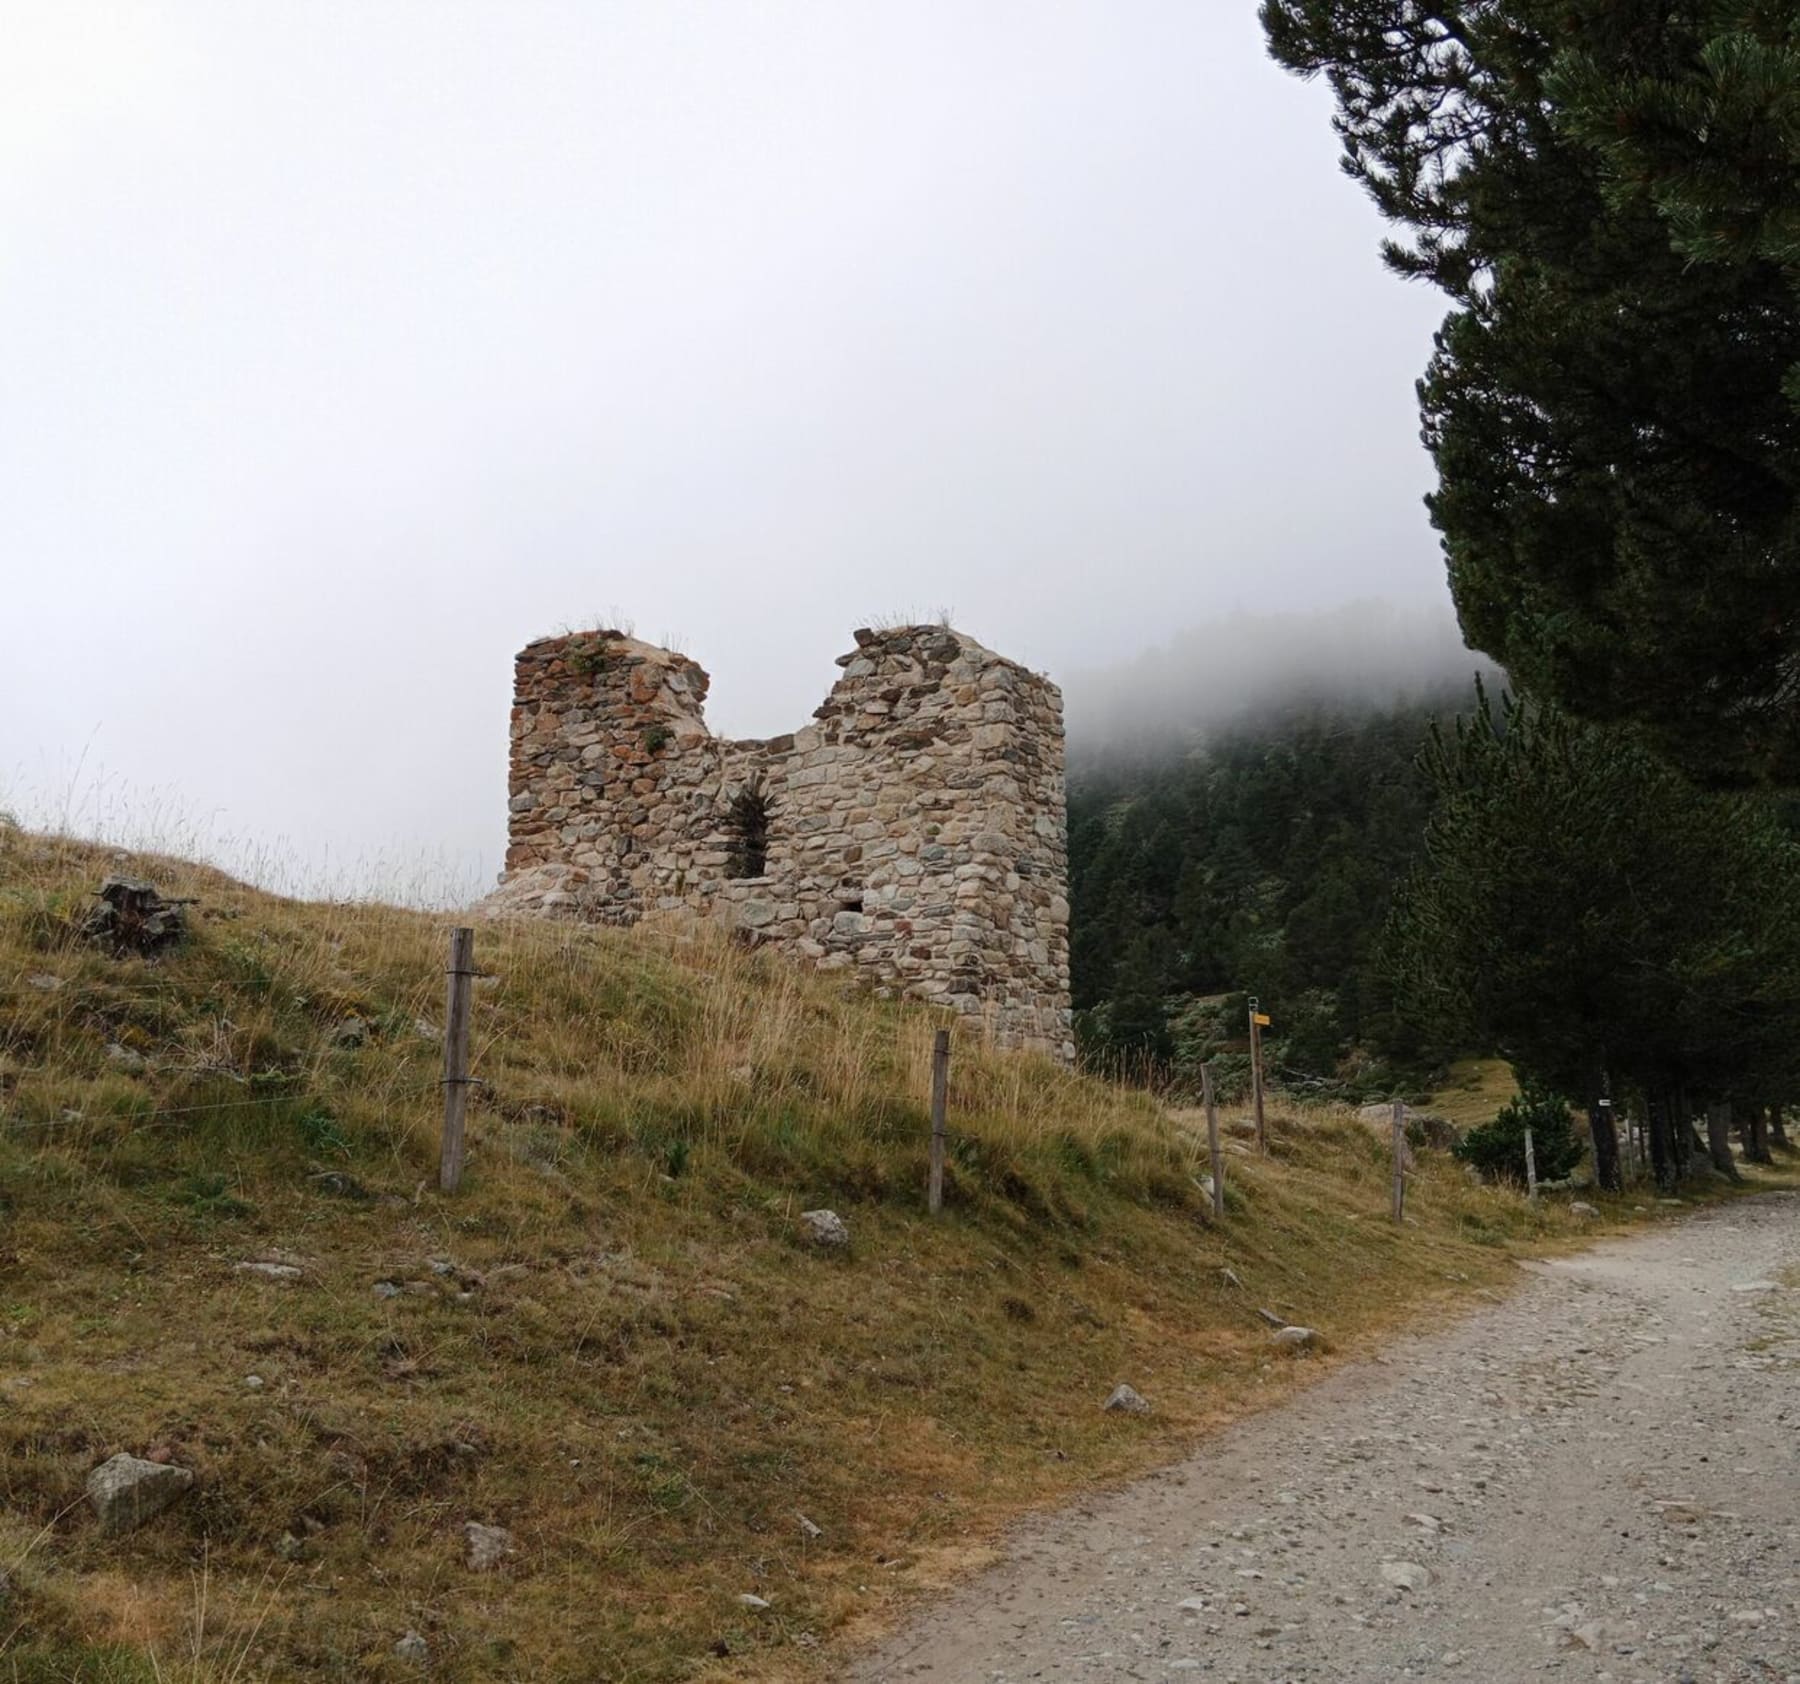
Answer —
(1586, 911)
(1609, 192)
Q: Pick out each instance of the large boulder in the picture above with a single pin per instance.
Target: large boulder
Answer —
(126, 1490)
(1432, 1129)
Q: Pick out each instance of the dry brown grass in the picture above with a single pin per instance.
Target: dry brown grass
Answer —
(631, 1358)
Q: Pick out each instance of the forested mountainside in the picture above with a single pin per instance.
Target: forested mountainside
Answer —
(1261, 860)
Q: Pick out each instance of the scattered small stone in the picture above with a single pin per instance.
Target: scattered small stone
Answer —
(45, 981)
(1756, 1286)
(386, 1289)
(808, 1529)
(289, 1548)
(1192, 1605)
(412, 1647)
(253, 1382)
(1231, 1278)
(1580, 1207)
(1591, 1636)
(825, 1227)
(1272, 1319)
(1294, 1338)
(132, 1063)
(126, 1490)
(272, 1271)
(1126, 1400)
(1406, 1575)
(485, 1547)
(353, 1032)
(426, 1030)
(754, 1603)
(338, 1184)
(1428, 1522)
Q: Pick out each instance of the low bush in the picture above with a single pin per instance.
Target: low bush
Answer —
(1497, 1149)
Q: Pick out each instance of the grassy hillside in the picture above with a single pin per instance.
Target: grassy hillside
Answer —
(615, 1341)
(1474, 1093)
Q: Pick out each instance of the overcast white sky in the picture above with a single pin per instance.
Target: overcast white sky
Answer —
(344, 348)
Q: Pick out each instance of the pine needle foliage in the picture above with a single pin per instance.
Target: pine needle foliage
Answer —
(1584, 910)
(1609, 193)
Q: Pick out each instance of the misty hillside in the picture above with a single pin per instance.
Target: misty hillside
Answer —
(1233, 672)
(1242, 803)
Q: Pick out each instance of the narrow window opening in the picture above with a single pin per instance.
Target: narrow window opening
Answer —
(747, 823)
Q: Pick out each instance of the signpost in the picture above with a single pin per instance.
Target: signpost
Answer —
(1259, 1021)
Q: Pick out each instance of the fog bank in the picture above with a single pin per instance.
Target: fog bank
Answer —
(1214, 676)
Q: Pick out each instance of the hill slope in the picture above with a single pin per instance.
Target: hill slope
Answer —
(1262, 860)
(615, 1341)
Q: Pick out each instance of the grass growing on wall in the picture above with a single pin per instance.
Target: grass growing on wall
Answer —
(616, 1341)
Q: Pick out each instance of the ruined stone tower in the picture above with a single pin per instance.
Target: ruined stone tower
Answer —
(916, 829)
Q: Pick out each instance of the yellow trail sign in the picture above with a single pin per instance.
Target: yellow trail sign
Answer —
(1261, 1019)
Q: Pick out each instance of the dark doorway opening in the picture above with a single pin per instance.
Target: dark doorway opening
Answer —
(747, 823)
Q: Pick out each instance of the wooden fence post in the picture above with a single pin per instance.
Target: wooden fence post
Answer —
(940, 1101)
(1256, 1076)
(456, 1057)
(1530, 1168)
(1213, 1147)
(1399, 1159)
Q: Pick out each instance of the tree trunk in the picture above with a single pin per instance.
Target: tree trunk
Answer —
(1685, 1140)
(1756, 1137)
(1606, 1146)
(1718, 1140)
(1778, 1137)
(1658, 1106)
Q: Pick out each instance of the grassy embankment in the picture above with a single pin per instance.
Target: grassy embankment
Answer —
(614, 1341)
(1475, 1091)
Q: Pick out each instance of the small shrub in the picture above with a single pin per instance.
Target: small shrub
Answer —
(657, 738)
(322, 1135)
(1497, 1149)
(210, 1195)
(590, 657)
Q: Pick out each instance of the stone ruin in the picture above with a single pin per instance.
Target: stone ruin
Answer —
(916, 830)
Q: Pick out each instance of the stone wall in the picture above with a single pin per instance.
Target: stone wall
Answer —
(916, 829)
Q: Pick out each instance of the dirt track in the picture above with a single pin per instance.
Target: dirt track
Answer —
(1598, 1479)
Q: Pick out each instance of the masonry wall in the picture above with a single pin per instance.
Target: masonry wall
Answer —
(917, 829)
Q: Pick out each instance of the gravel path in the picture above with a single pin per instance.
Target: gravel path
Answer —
(1596, 1479)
